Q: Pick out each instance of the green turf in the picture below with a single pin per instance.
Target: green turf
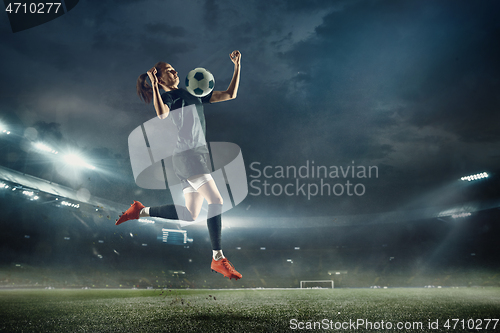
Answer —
(240, 310)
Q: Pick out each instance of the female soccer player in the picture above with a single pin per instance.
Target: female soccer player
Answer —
(191, 164)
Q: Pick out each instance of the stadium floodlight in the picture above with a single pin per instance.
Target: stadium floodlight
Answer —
(77, 160)
(69, 204)
(4, 129)
(465, 214)
(44, 147)
(146, 221)
(475, 177)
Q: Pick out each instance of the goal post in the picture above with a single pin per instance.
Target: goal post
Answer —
(316, 284)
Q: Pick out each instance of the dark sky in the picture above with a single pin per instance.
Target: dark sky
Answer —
(408, 86)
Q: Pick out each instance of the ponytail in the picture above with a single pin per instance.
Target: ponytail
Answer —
(144, 90)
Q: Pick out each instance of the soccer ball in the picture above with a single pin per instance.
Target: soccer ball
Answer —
(200, 82)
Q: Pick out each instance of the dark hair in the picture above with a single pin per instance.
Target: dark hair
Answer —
(144, 89)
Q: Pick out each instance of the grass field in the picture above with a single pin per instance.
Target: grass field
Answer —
(249, 310)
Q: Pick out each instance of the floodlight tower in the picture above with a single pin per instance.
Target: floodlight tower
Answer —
(469, 192)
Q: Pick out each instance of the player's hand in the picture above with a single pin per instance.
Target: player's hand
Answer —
(235, 57)
(152, 76)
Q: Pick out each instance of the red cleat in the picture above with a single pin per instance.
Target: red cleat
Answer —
(224, 267)
(131, 214)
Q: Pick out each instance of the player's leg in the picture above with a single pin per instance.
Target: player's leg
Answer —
(170, 212)
(220, 264)
(207, 188)
(210, 192)
(189, 212)
(194, 201)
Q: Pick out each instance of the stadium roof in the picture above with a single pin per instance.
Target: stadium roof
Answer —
(57, 190)
(38, 184)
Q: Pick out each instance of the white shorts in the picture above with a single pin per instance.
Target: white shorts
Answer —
(194, 183)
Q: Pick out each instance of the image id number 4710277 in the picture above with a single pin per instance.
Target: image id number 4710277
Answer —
(33, 7)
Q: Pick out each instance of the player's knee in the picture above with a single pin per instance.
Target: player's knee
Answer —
(216, 201)
(194, 215)
(184, 214)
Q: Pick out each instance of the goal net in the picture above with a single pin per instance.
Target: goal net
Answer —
(316, 284)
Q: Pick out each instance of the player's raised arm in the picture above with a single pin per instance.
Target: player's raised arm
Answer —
(161, 109)
(232, 90)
